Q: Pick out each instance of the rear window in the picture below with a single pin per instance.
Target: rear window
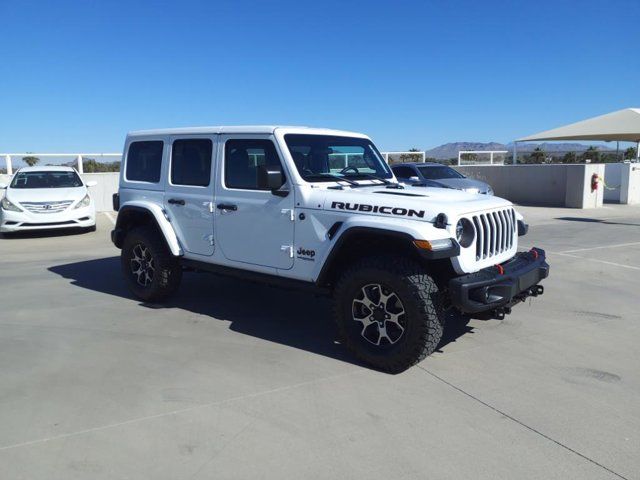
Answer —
(144, 161)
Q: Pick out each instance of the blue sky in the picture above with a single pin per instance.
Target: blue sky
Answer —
(77, 75)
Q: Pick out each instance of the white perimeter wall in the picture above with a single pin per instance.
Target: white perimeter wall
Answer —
(544, 185)
(624, 178)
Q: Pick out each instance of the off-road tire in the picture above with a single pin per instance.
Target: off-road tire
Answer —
(167, 271)
(421, 301)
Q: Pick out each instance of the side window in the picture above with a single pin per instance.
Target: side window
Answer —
(191, 162)
(403, 172)
(144, 161)
(243, 159)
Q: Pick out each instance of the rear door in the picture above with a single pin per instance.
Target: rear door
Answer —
(188, 195)
(253, 226)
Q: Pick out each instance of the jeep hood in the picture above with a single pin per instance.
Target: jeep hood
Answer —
(420, 203)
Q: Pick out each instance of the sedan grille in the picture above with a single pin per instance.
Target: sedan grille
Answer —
(495, 232)
(47, 207)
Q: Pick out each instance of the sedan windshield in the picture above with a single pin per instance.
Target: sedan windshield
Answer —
(328, 158)
(46, 179)
(439, 172)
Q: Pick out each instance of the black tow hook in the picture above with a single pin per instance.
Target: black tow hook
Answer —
(501, 312)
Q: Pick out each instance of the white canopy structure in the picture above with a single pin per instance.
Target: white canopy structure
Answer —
(622, 126)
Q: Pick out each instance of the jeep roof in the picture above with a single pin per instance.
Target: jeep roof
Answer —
(263, 129)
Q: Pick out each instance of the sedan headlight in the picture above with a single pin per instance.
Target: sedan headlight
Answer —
(85, 202)
(7, 205)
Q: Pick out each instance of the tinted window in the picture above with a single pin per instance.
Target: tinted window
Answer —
(404, 172)
(46, 180)
(437, 172)
(191, 162)
(243, 158)
(144, 161)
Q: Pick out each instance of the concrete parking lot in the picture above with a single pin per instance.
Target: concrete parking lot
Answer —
(237, 380)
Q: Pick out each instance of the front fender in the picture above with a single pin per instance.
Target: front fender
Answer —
(398, 228)
(416, 230)
(158, 215)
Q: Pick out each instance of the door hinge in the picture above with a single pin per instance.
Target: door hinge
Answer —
(290, 212)
(287, 248)
(209, 205)
(209, 238)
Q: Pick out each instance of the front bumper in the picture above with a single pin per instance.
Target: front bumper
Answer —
(501, 285)
(23, 221)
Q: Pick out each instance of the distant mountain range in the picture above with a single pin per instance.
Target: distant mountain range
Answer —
(450, 150)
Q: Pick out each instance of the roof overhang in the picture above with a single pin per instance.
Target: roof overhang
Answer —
(623, 126)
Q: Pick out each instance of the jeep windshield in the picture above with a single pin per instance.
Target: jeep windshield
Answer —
(328, 158)
(46, 179)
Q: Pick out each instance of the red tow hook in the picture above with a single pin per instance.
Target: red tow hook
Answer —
(535, 253)
(500, 269)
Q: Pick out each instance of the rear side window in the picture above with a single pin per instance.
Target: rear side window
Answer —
(242, 158)
(191, 162)
(144, 161)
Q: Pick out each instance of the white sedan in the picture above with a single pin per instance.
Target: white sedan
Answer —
(41, 198)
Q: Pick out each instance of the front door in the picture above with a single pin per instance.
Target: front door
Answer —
(188, 198)
(253, 226)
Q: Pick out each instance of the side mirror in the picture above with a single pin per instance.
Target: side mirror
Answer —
(414, 179)
(271, 178)
(3, 186)
(91, 184)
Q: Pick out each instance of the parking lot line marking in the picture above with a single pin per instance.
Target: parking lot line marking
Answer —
(631, 267)
(519, 422)
(110, 217)
(602, 247)
(182, 410)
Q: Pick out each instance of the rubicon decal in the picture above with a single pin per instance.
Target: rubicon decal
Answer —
(363, 207)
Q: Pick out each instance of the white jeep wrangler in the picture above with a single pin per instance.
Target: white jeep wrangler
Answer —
(319, 208)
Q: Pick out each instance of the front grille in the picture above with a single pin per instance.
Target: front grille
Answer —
(47, 207)
(52, 224)
(495, 232)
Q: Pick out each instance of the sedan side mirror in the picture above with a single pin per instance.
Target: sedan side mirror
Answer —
(271, 178)
(414, 179)
(91, 184)
(3, 186)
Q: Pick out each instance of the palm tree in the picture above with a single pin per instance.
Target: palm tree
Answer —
(630, 153)
(30, 160)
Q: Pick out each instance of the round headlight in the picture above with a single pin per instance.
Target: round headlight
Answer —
(465, 232)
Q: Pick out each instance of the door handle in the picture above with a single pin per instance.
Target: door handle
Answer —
(227, 206)
(176, 201)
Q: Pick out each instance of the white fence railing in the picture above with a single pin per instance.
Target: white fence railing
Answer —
(491, 154)
(404, 156)
(78, 157)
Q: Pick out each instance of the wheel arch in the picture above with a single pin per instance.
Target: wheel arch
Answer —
(358, 242)
(135, 214)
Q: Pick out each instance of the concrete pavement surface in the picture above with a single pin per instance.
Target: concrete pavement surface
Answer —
(234, 380)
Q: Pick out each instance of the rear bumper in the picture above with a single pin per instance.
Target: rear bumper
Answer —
(501, 285)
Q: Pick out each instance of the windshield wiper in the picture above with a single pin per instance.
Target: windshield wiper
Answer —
(333, 175)
(383, 180)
